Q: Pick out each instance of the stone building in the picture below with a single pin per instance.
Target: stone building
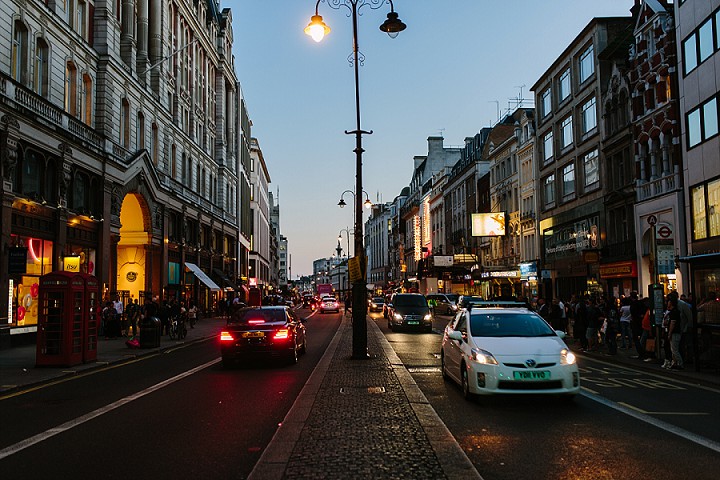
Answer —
(118, 140)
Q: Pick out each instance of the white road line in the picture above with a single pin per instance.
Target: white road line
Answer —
(28, 442)
(638, 409)
(680, 432)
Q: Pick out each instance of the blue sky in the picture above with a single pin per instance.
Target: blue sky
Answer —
(457, 62)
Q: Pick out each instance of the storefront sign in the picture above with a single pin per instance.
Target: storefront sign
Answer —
(619, 270)
(505, 274)
(443, 260)
(17, 260)
(71, 263)
(570, 239)
(528, 270)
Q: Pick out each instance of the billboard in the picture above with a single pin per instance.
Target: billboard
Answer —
(488, 224)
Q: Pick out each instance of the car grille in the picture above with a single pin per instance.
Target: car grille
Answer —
(522, 365)
(510, 385)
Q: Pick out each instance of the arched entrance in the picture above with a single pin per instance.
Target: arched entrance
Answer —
(132, 247)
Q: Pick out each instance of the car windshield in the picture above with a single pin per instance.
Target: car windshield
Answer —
(250, 316)
(509, 325)
(329, 300)
(453, 297)
(410, 301)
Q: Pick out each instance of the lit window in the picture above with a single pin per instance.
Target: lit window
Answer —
(698, 213)
(71, 89)
(87, 99)
(713, 206)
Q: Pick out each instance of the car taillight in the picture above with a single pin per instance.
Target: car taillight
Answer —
(226, 336)
(282, 334)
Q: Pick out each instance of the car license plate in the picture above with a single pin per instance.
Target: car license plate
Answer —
(413, 322)
(253, 334)
(532, 375)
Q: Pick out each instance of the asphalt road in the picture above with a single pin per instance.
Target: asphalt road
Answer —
(626, 424)
(173, 415)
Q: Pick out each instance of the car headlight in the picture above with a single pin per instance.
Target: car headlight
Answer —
(428, 317)
(398, 316)
(567, 357)
(483, 356)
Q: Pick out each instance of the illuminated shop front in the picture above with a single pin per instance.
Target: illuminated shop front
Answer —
(29, 259)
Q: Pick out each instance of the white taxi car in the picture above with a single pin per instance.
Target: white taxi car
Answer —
(507, 351)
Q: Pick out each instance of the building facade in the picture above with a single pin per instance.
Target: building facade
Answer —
(118, 136)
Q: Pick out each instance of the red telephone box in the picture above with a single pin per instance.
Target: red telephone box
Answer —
(67, 319)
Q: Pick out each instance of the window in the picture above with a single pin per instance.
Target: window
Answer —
(549, 190)
(41, 68)
(590, 168)
(566, 132)
(698, 214)
(568, 183)
(564, 85)
(125, 123)
(140, 134)
(587, 64)
(548, 146)
(154, 146)
(546, 102)
(702, 123)
(18, 68)
(713, 202)
(705, 40)
(71, 89)
(689, 47)
(589, 116)
(87, 99)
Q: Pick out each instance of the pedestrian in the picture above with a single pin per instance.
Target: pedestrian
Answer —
(612, 325)
(119, 317)
(192, 314)
(164, 316)
(637, 312)
(625, 328)
(133, 315)
(580, 324)
(555, 316)
(107, 319)
(675, 333)
(594, 321)
(647, 352)
(542, 309)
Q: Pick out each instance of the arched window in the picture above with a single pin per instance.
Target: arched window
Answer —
(80, 189)
(203, 192)
(125, 123)
(32, 173)
(71, 88)
(41, 84)
(154, 146)
(86, 98)
(140, 134)
(18, 68)
(173, 162)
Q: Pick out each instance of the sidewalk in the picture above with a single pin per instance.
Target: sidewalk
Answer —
(624, 357)
(18, 370)
(362, 419)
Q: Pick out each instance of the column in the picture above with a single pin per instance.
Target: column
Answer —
(665, 149)
(652, 145)
(142, 35)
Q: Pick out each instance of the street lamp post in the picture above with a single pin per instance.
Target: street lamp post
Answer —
(317, 29)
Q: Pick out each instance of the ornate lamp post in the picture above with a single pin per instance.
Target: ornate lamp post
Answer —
(317, 29)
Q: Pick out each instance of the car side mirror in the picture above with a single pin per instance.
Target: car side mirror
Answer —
(560, 333)
(455, 335)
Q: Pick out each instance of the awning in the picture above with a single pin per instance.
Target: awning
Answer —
(202, 276)
(223, 278)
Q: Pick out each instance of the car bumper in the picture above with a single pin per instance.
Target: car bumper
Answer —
(411, 323)
(501, 379)
(246, 351)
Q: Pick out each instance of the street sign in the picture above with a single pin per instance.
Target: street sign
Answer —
(357, 267)
(664, 231)
(652, 220)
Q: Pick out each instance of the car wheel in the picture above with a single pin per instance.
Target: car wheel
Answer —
(442, 366)
(466, 384)
(293, 358)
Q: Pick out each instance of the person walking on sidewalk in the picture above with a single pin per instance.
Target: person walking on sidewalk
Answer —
(637, 312)
(626, 336)
(675, 333)
(119, 316)
(612, 325)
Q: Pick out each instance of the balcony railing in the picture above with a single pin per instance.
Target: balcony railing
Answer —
(657, 187)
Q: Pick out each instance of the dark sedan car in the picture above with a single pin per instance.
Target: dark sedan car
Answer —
(409, 310)
(269, 332)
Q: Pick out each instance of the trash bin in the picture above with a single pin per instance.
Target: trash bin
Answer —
(149, 332)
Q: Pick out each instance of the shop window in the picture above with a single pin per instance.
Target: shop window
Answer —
(713, 207)
(25, 291)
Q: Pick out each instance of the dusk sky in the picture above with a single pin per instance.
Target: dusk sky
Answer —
(458, 64)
